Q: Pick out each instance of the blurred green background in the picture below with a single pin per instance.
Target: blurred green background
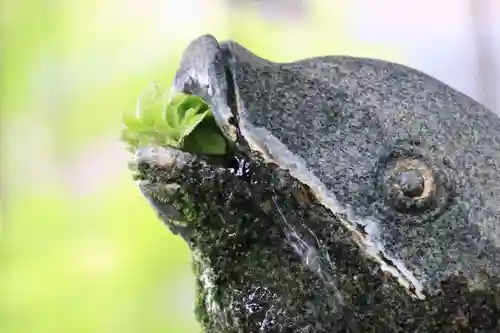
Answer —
(81, 251)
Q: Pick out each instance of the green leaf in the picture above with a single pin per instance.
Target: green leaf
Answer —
(151, 102)
(184, 122)
(161, 124)
(204, 140)
(131, 121)
(190, 124)
(196, 102)
(172, 112)
(188, 115)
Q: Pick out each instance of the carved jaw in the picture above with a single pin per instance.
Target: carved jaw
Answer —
(279, 232)
(205, 71)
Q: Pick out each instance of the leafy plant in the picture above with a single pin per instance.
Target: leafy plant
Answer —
(181, 121)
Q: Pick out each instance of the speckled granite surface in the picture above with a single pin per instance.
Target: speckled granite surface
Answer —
(361, 196)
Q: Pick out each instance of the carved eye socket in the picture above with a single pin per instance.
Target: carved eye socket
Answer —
(410, 185)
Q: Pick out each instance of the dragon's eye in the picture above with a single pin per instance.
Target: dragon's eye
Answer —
(412, 180)
(410, 185)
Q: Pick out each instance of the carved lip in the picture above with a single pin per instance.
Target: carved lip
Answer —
(157, 192)
(204, 71)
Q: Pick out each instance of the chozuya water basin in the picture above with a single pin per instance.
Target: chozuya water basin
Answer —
(356, 195)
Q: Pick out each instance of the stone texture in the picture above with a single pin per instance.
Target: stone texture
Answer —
(315, 236)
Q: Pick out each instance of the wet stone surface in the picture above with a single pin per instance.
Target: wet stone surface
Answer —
(315, 237)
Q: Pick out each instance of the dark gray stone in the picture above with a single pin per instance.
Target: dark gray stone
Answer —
(316, 232)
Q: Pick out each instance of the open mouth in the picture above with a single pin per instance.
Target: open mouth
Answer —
(183, 122)
(193, 123)
(198, 115)
(166, 134)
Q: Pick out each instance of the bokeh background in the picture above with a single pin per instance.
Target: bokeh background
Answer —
(80, 249)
